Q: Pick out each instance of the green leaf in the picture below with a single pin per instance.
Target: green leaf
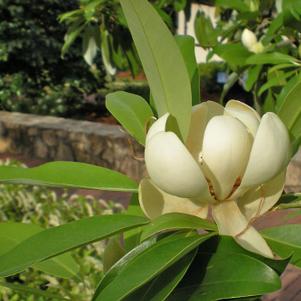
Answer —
(273, 58)
(68, 174)
(147, 265)
(205, 33)
(290, 110)
(187, 47)
(11, 234)
(176, 221)
(32, 291)
(219, 273)
(72, 34)
(234, 54)
(253, 74)
(132, 111)
(285, 240)
(162, 286)
(162, 61)
(57, 240)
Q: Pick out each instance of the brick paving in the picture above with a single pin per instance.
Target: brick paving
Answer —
(291, 278)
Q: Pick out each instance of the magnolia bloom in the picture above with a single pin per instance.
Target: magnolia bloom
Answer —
(232, 161)
(249, 40)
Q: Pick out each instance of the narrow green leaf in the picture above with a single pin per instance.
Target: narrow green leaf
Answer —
(273, 58)
(290, 110)
(253, 74)
(32, 291)
(176, 221)
(58, 240)
(217, 274)
(285, 240)
(68, 174)
(132, 111)
(11, 234)
(147, 265)
(187, 47)
(162, 286)
(162, 61)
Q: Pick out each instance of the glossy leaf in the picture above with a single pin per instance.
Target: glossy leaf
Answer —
(162, 61)
(176, 221)
(273, 58)
(162, 286)
(285, 240)
(11, 234)
(68, 174)
(218, 273)
(57, 240)
(147, 265)
(132, 111)
(290, 110)
(187, 47)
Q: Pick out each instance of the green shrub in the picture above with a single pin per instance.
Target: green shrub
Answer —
(34, 77)
(47, 208)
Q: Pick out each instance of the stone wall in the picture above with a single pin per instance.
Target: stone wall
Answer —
(52, 138)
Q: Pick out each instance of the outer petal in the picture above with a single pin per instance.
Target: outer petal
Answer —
(231, 221)
(247, 115)
(158, 126)
(259, 200)
(201, 114)
(226, 149)
(270, 151)
(172, 168)
(154, 202)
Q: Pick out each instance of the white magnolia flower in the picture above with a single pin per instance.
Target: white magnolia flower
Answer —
(249, 40)
(232, 160)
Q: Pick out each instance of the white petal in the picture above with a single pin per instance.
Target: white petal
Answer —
(231, 221)
(259, 200)
(158, 126)
(155, 202)
(201, 114)
(226, 149)
(247, 115)
(172, 168)
(270, 151)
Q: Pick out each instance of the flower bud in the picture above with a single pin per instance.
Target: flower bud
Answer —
(248, 38)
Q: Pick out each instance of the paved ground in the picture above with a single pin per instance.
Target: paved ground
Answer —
(291, 278)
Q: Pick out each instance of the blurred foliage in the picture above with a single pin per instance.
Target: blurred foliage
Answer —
(101, 26)
(48, 208)
(33, 76)
(272, 59)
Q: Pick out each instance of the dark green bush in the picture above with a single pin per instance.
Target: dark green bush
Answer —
(34, 77)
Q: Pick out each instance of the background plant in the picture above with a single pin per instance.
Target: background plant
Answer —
(276, 25)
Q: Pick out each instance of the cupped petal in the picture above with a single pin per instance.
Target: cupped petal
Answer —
(226, 149)
(259, 200)
(155, 202)
(172, 168)
(158, 126)
(247, 115)
(230, 221)
(200, 116)
(270, 151)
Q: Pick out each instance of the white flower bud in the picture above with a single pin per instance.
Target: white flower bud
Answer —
(248, 38)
